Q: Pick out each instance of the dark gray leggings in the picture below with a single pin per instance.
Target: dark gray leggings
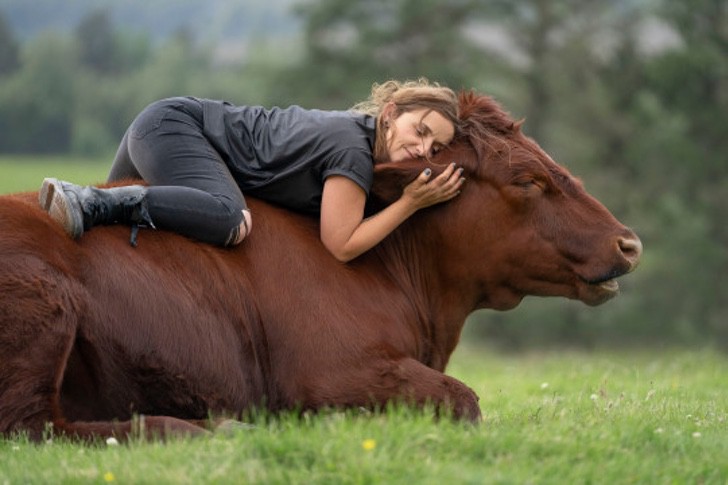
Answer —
(192, 191)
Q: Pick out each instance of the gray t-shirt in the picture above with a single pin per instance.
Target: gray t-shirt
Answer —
(285, 155)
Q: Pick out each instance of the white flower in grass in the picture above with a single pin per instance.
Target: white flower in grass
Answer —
(545, 385)
(112, 441)
(697, 434)
(593, 397)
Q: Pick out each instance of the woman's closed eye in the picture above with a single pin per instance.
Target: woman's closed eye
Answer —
(424, 131)
(436, 148)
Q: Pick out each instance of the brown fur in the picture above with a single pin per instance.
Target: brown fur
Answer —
(94, 332)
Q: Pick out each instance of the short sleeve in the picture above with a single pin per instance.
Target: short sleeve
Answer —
(354, 164)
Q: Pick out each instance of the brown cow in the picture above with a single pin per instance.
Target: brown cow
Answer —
(93, 332)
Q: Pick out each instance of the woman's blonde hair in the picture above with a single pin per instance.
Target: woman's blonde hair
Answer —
(407, 96)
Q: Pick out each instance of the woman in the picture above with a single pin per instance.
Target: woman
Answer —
(199, 157)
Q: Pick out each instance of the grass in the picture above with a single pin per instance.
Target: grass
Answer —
(21, 173)
(549, 418)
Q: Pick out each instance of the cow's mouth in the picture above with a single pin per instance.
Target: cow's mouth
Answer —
(598, 291)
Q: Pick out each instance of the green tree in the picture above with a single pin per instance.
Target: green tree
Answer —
(97, 45)
(9, 48)
(691, 84)
(36, 103)
(350, 45)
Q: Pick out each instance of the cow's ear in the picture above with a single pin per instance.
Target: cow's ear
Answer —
(389, 181)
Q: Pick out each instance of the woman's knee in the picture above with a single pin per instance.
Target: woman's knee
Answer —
(240, 231)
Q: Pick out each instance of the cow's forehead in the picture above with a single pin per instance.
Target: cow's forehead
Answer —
(508, 156)
(503, 150)
(515, 157)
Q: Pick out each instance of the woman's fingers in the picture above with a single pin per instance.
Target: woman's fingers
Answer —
(427, 191)
(425, 175)
(449, 182)
(445, 176)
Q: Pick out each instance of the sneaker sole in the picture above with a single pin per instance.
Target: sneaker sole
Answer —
(57, 203)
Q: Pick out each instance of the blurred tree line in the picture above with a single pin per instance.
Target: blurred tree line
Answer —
(630, 95)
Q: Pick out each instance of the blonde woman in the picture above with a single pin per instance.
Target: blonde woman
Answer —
(200, 156)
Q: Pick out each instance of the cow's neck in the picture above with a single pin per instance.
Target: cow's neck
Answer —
(413, 258)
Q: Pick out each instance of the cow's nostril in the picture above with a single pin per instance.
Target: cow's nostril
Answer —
(631, 249)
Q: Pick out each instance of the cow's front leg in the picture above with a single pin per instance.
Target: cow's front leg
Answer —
(396, 380)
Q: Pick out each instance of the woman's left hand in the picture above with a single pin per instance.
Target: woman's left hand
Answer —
(423, 192)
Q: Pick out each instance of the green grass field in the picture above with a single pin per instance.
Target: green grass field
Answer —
(552, 417)
(549, 418)
(20, 174)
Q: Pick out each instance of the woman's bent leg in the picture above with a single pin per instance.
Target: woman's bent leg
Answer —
(196, 214)
(192, 191)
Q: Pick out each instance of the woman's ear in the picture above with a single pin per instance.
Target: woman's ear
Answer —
(389, 113)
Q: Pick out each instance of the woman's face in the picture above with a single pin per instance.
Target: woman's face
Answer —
(417, 134)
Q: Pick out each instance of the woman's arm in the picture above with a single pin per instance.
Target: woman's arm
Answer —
(345, 232)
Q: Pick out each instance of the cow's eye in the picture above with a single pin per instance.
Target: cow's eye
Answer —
(530, 186)
(525, 183)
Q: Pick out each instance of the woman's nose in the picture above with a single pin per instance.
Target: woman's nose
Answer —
(424, 148)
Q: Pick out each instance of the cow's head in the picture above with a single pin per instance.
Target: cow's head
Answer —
(523, 225)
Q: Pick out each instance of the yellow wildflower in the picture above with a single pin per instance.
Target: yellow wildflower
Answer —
(108, 477)
(368, 444)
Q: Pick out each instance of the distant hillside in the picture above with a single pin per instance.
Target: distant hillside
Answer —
(209, 20)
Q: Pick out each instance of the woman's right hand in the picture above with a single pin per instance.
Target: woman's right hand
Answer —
(423, 192)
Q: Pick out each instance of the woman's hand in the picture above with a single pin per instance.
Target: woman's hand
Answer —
(423, 192)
